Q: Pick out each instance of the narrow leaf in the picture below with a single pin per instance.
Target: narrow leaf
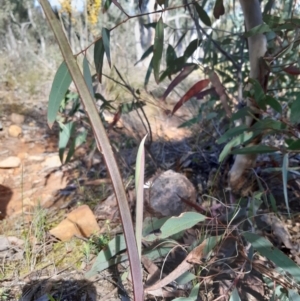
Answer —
(258, 91)
(242, 138)
(60, 85)
(102, 260)
(171, 55)
(292, 70)
(295, 111)
(256, 149)
(87, 75)
(263, 28)
(202, 14)
(190, 49)
(265, 248)
(118, 5)
(295, 145)
(148, 73)
(285, 167)
(106, 6)
(158, 48)
(145, 54)
(176, 224)
(273, 103)
(139, 188)
(219, 9)
(180, 77)
(235, 295)
(199, 86)
(66, 130)
(232, 132)
(106, 44)
(98, 57)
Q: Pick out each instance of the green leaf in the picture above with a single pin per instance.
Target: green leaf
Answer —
(158, 48)
(190, 122)
(269, 124)
(98, 57)
(235, 295)
(87, 75)
(294, 145)
(171, 55)
(176, 66)
(148, 73)
(265, 248)
(60, 85)
(195, 291)
(258, 92)
(242, 138)
(106, 44)
(262, 28)
(242, 113)
(190, 49)
(103, 260)
(202, 14)
(66, 131)
(145, 54)
(293, 295)
(185, 278)
(232, 132)
(285, 167)
(295, 110)
(106, 5)
(177, 224)
(273, 103)
(256, 149)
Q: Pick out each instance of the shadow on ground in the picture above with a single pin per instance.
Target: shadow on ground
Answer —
(67, 290)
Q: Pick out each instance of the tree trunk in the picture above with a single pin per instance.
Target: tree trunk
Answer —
(239, 173)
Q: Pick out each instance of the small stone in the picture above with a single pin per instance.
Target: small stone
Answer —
(10, 162)
(51, 162)
(14, 131)
(22, 155)
(17, 118)
(36, 158)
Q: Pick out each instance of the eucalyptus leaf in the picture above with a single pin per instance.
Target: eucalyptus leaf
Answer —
(60, 86)
(265, 248)
(203, 16)
(158, 48)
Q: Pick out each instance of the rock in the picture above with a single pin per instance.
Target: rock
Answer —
(17, 118)
(80, 221)
(10, 162)
(168, 192)
(51, 162)
(22, 155)
(14, 131)
(4, 243)
(36, 158)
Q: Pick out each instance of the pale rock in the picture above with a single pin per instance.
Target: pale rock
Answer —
(17, 118)
(10, 162)
(81, 221)
(51, 162)
(4, 243)
(22, 155)
(14, 131)
(36, 158)
(27, 202)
